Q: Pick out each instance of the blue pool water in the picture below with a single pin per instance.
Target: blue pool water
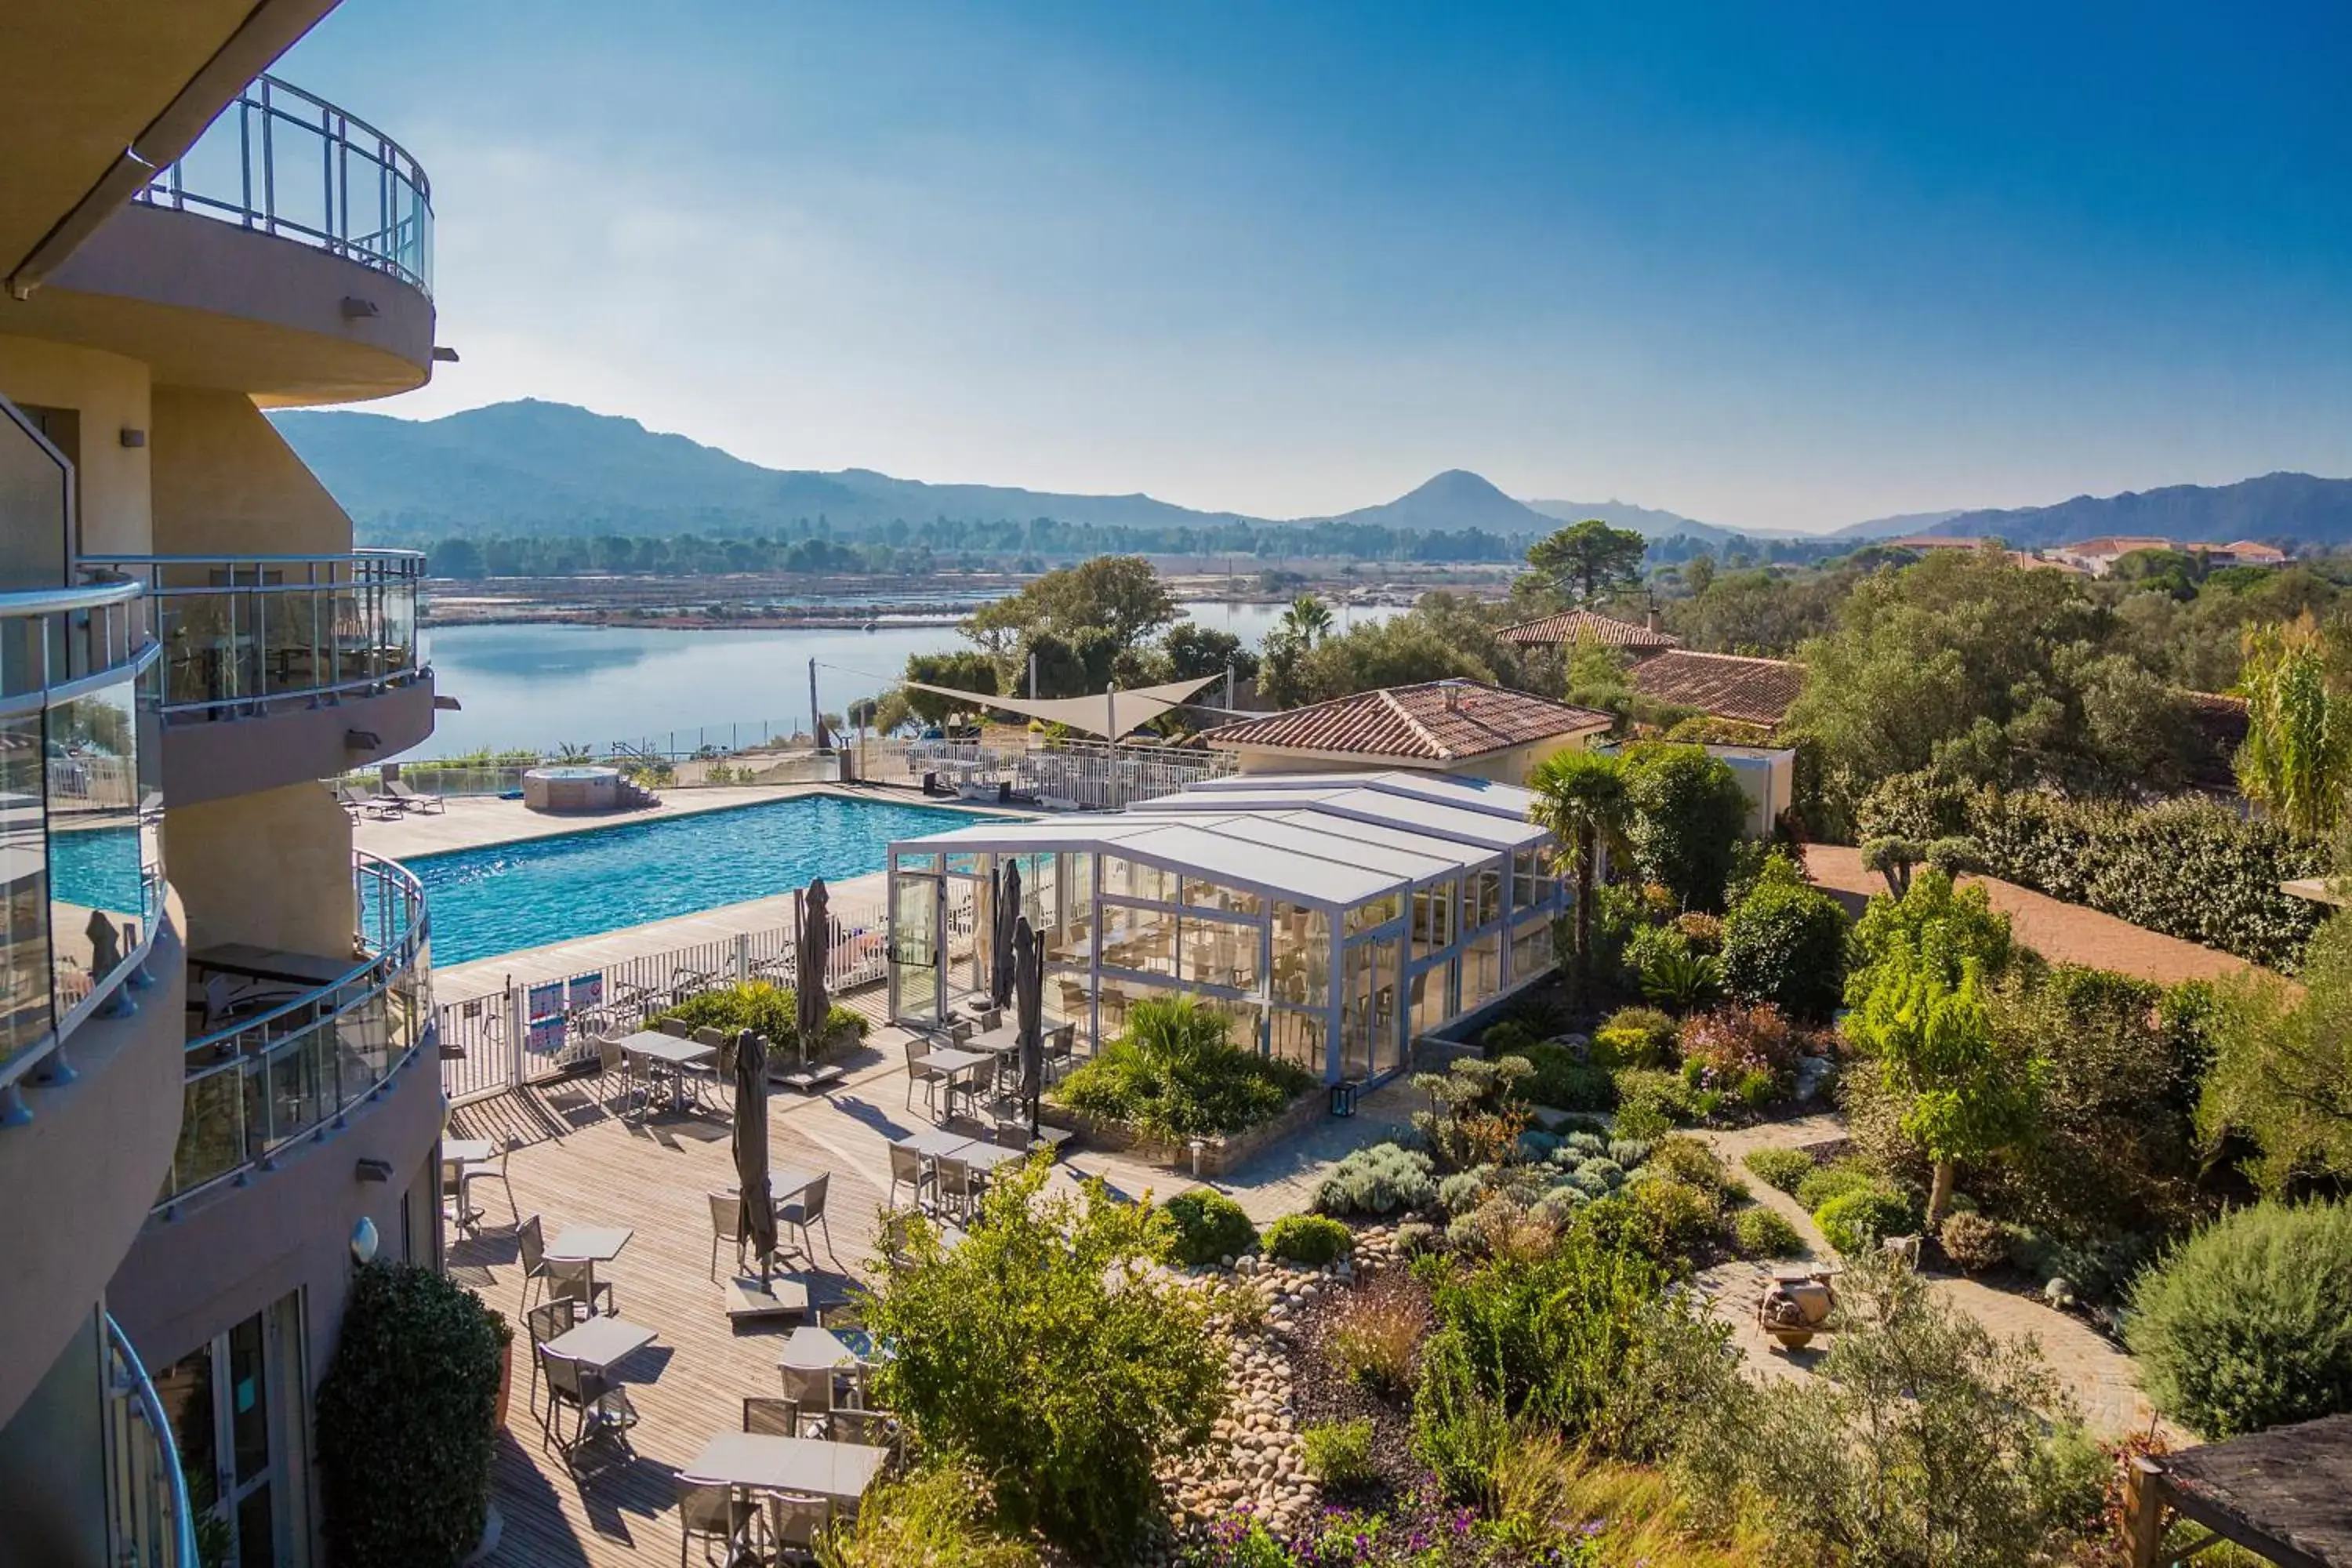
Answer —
(506, 897)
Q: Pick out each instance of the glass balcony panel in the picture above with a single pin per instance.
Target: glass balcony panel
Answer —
(25, 1011)
(98, 894)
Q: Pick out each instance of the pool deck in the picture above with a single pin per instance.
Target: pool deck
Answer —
(479, 822)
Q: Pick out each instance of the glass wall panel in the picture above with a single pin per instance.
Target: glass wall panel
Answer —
(1431, 992)
(99, 868)
(1203, 894)
(25, 974)
(1483, 897)
(1368, 1018)
(1300, 1038)
(1482, 969)
(1302, 956)
(1138, 939)
(1219, 953)
(914, 947)
(1374, 913)
(1137, 880)
(1074, 916)
(1432, 918)
(1531, 947)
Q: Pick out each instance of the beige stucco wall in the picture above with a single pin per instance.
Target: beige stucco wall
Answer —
(226, 483)
(273, 868)
(111, 394)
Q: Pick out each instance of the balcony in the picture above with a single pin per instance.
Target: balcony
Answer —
(278, 669)
(147, 1493)
(291, 1066)
(288, 254)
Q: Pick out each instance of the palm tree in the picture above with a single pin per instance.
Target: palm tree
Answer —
(2297, 759)
(1308, 619)
(1580, 800)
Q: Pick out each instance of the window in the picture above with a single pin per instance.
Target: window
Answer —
(1432, 919)
(1432, 992)
(1482, 969)
(1531, 947)
(1302, 956)
(1367, 1019)
(1299, 1037)
(1202, 894)
(1485, 897)
(1374, 913)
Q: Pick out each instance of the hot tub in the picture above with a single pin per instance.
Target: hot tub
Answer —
(571, 789)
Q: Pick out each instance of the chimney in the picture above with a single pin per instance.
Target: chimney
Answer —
(1453, 696)
(1653, 620)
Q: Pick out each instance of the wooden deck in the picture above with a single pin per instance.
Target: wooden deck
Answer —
(579, 1165)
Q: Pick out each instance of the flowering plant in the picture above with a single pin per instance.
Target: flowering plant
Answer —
(1419, 1530)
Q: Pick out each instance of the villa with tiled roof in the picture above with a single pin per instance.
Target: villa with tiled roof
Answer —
(1721, 685)
(1463, 727)
(1585, 625)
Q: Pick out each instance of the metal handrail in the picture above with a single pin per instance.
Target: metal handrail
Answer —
(259, 629)
(180, 1512)
(382, 219)
(305, 1035)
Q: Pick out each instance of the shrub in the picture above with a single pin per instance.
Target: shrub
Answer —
(1464, 1190)
(762, 1008)
(2281, 1062)
(1563, 1083)
(936, 1514)
(1856, 1222)
(1765, 1233)
(1172, 1076)
(1651, 1102)
(1509, 1037)
(1781, 1168)
(1311, 1240)
(1683, 980)
(1823, 1183)
(1670, 1215)
(1379, 1180)
(1373, 1335)
(1039, 1346)
(1704, 932)
(1477, 1111)
(1688, 811)
(1634, 1038)
(1721, 1047)
(409, 1401)
(1628, 1151)
(1339, 1453)
(1972, 1242)
(1786, 944)
(1688, 1160)
(1207, 1226)
(2248, 1324)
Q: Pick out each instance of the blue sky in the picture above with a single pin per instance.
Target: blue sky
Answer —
(1773, 266)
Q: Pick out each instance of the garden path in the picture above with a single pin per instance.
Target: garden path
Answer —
(2091, 1368)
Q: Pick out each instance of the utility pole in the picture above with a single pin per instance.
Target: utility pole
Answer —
(1032, 678)
(816, 714)
(1229, 683)
(1110, 723)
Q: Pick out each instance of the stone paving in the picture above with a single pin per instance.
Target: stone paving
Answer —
(2091, 1368)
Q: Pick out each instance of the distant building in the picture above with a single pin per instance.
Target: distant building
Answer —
(1460, 727)
(1585, 625)
(2240, 553)
(1721, 685)
(2098, 556)
(1926, 542)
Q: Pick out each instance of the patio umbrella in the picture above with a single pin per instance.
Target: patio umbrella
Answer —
(758, 1216)
(1029, 1013)
(1001, 938)
(816, 944)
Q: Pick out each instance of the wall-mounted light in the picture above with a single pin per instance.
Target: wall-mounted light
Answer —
(443, 354)
(375, 1170)
(358, 309)
(134, 437)
(363, 740)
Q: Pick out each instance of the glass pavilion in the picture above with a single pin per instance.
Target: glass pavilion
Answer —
(1333, 918)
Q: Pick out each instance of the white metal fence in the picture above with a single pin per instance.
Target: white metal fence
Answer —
(534, 1030)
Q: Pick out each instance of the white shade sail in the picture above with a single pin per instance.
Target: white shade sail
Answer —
(1113, 715)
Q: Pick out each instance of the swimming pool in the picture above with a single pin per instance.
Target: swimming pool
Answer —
(505, 896)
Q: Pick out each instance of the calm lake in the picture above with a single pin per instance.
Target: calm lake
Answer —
(547, 686)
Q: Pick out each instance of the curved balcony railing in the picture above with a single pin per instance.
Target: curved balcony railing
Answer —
(81, 871)
(147, 1491)
(240, 633)
(293, 1068)
(287, 162)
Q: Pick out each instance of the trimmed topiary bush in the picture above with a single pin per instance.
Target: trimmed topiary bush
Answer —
(1856, 1222)
(1764, 1233)
(1781, 1168)
(2248, 1324)
(1308, 1238)
(1383, 1179)
(1972, 1242)
(406, 1420)
(1786, 944)
(1206, 1227)
(1635, 1038)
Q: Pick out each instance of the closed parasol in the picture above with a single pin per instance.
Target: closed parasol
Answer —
(815, 946)
(1000, 940)
(758, 1216)
(1029, 1013)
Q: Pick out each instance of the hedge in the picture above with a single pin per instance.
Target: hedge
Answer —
(2187, 867)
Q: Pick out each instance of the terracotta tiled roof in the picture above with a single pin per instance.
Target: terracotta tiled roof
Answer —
(1441, 720)
(1752, 690)
(1583, 625)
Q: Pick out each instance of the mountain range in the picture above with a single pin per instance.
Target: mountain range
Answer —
(537, 468)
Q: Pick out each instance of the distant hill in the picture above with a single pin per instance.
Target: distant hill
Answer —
(1455, 500)
(1897, 526)
(2313, 511)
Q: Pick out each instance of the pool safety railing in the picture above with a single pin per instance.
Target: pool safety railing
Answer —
(153, 1523)
(527, 1031)
(269, 1080)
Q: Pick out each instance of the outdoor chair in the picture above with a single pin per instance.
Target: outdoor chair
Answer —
(872, 1428)
(708, 1512)
(407, 799)
(676, 1028)
(806, 1210)
(531, 1242)
(577, 1280)
(493, 1168)
(810, 1392)
(1074, 999)
(772, 1418)
(795, 1524)
(1012, 1135)
(548, 1320)
(727, 1224)
(908, 1169)
(1060, 1051)
(615, 1062)
(375, 808)
(596, 1401)
(958, 1188)
(916, 1073)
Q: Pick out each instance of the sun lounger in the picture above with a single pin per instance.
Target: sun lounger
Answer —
(408, 799)
(374, 808)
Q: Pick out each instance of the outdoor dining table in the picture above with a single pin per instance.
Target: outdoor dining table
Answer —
(465, 1150)
(957, 1064)
(810, 1348)
(599, 1341)
(933, 1142)
(590, 1242)
(811, 1467)
(682, 1057)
